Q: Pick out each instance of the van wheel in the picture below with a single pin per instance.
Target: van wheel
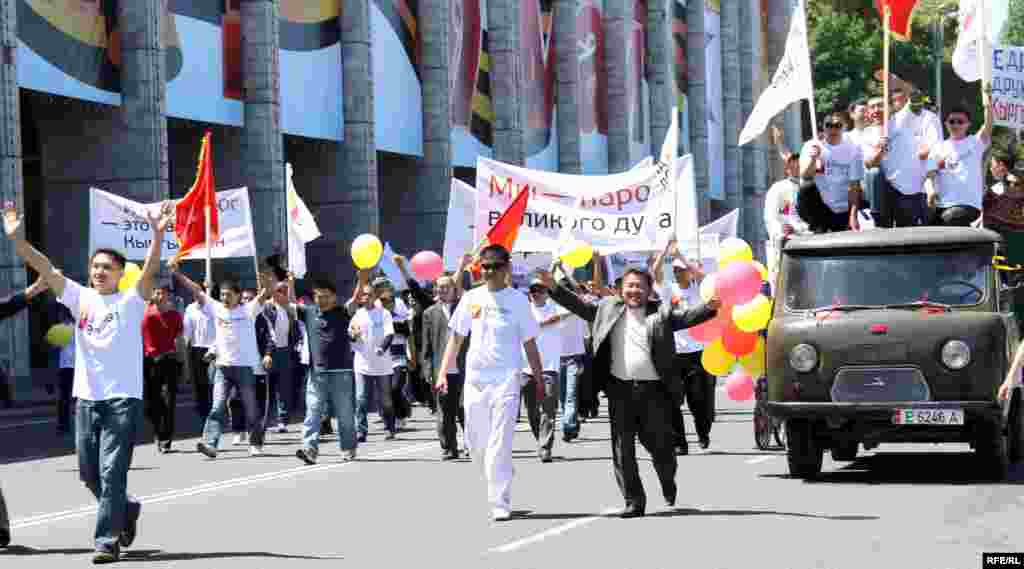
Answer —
(845, 451)
(990, 448)
(1015, 428)
(803, 450)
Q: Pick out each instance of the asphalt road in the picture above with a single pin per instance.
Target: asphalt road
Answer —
(398, 506)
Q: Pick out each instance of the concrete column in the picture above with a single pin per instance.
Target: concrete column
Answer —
(660, 54)
(14, 333)
(755, 175)
(359, 149)
(506, 76)
(567, 76)
(697, 98)
(731, 106)
(261, 135)
(142, 132)
(618, 16)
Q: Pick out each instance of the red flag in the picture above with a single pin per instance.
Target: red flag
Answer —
(190, 213)
(901, 14)
(505, 230)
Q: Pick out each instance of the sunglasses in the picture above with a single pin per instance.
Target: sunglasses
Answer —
(833, 125)
(954, 122)
(538, 289)
(492, 266)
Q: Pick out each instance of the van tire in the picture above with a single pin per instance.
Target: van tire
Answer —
(804, 451)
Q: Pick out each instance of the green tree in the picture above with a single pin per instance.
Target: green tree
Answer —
(1014, 32)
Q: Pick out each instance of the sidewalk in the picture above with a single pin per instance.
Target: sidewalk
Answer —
(40, 404)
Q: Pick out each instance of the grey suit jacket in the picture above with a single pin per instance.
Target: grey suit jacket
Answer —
(435, 335)
(662, 322)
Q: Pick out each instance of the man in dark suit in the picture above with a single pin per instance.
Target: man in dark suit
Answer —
(434, 340)
(634, 346)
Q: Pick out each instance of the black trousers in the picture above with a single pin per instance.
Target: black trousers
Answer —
(905, 210)
(160, 394)
(403, 408)
(697, 392)
(816, 212)
(200, 374)
(956, 216)
(588, 386)
(65, 386)
(641, 409)
(449, 411)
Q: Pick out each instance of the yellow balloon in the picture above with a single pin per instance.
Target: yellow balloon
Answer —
(366, 251)
(716, 360)
(753, 362)
(761, 269)
(707, 287)
(130, 278)
(734, 249)
(579, 254)
(59, 335)
(754, 315)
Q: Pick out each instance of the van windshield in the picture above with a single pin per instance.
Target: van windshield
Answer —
(956, 278)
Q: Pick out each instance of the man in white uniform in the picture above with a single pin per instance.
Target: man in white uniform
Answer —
(542, 400)
(499, 319)
(837, 165)
(957, 166)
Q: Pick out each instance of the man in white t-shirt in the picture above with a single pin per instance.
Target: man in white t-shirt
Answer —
(573, 331)
(542, 400)
(957, 166)
(108, 373)
(372, 331)
(837, 165)
(237, 357)
(498, 320)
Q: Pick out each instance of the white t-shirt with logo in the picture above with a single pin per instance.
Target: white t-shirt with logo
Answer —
(907, 131)
(497, 324)
(838, 166)
(960, 166)
(865, 138)
(108, 342)
(373, 326)
(684, 299)
(549, 340)
(236, 333)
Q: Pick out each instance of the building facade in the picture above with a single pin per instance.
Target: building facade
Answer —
(377, 104)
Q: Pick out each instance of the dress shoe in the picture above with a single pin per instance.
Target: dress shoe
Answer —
(670, 498)
(705, 441)
(544, 454)
(631, 513)
(5, 537)
(682, 450)
(131, 530)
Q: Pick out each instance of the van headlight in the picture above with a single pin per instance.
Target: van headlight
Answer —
(956, 354)
(803, 357)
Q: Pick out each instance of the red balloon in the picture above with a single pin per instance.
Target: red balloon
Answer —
(707, 331)
(740, 386)
(736, 341)
(427, 265)
(738, 283)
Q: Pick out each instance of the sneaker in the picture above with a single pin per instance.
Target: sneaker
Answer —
(348, 456)
(389, 437)
(326, 428)
(282, 428)
(206, 450)
(104, 556)
(544, 454)
(361, 438)
(500, 514)
(241, 439)
(306, 455)
(705, 442)
(127, 537)
(5, 537)
(255, 450)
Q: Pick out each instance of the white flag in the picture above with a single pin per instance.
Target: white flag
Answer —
(301, 228)
(670, 147)
(792, 80)
(390, 269)
(967, 53)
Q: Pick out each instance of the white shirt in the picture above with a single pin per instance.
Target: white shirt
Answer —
(303, 344)
(903, 169)
(236, 333)
(108, 342)
(960, 168)
(998, 188)
(279, 331)
(549, 340)
(780, 209)
(683, 298)
(497, 323)
(400, 314)
(631, 350)
(373, 326)
(199, 330)
(573, 330)
(864, 138)
(838, 166)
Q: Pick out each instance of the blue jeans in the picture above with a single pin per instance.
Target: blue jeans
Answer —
(243, 380)
(105, 433)
(283, 387)
(569, 373)
(339, 389)
(371, 389)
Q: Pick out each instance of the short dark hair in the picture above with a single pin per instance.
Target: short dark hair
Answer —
(959, 109)
(498, 251)
(112, 253)
(231, 285)
(325, 284)
(861, 102)
(640, 272)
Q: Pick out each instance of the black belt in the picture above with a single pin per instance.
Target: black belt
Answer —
(638, 383)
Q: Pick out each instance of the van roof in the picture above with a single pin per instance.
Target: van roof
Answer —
(895, 238)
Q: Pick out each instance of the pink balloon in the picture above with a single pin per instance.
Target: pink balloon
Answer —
(738, 283)
(710, 330)
(740, 386)
(736, 341)
(427, 265)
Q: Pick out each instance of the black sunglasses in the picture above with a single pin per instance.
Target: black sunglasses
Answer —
(955, 121)
(492, 266)
(833, 125)
(536, 289)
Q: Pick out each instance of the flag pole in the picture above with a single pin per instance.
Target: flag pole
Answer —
(983, 51)
(810, 100)
(886, 13)
(209, 258)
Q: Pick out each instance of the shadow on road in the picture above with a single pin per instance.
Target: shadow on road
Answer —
(699, 512)
(157, 555)
(26, 550)
(913, 468)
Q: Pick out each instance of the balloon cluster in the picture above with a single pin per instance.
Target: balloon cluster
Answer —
(367, 251)
(732, 337)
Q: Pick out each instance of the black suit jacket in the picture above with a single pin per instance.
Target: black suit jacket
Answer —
(435, 340)
(264, 320)
(663, 320)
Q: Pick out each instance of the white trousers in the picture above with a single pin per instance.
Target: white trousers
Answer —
(490, 425)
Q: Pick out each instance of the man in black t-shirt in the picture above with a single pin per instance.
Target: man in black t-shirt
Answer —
(331, 375)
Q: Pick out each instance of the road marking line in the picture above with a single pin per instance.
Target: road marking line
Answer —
(761, 459)
(215, 486)
(557, 530)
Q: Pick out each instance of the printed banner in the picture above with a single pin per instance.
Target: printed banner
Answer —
(620, 212)
(397, 93)
(458, 230)
(1008, 86)
(120, 224)
(469, 82)
(592, 88)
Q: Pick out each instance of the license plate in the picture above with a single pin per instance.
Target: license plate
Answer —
(928, 417)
